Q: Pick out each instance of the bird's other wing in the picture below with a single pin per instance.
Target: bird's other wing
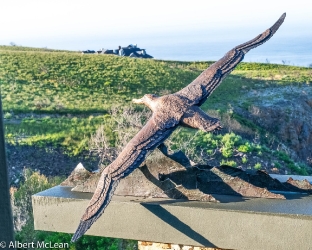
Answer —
(199, 90)
(195, 117)
(146, 140)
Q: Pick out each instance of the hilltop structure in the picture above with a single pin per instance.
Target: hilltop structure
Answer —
(131, 51)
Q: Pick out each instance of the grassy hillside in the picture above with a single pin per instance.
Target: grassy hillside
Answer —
(59, 99)
(62, 82)
(73, 83)
(23, 48)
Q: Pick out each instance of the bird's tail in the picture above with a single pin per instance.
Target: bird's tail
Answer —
(98, 203)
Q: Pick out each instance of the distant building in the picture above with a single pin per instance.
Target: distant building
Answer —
(131, 50)
(134, 51)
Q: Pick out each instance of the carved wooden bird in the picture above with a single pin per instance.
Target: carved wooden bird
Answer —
(169, 111)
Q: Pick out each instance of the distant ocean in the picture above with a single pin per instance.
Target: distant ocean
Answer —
(197, 46)
(288, 52)
(291, 51)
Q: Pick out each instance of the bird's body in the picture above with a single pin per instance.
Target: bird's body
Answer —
(169, 111)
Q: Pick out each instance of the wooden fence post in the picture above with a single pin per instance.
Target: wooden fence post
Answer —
(6, 221)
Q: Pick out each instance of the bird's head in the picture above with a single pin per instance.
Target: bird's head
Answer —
(149, 100)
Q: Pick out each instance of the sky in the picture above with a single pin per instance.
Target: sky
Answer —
(67, 24)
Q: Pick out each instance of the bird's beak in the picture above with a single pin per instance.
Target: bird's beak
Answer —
(137, 101)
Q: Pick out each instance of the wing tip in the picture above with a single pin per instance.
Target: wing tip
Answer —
(278, 23)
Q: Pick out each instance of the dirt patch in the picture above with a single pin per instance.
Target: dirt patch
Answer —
(285, 112)
(49, 161)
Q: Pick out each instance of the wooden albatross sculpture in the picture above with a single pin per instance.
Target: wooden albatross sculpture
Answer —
(169, 111)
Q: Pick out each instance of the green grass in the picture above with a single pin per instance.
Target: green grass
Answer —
(257, 166)
(62, 82)
(23, 48)
(228, 163)
(77, 90)
(73, 83)
(71, 133)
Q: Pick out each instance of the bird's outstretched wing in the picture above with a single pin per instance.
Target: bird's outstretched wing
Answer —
(199, 90)
(146, 140)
